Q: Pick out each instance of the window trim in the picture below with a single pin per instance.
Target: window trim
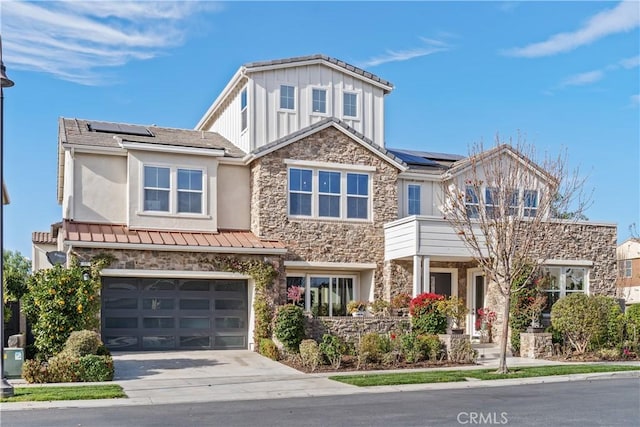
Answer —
(419, 200)
(173, 191)
(344, 195)
(358, 95)
(625, 268)
(244, 112)
(331, 275)
(294, 97)
(327, 101)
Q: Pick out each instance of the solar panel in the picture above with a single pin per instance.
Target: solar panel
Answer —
(410, 159)
(433, 155)
(121, 128)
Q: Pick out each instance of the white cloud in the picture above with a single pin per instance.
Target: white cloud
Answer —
(72, 40)
(624, 17)
(583, 78)
(635, 99)
(630, 62)
(433, 46)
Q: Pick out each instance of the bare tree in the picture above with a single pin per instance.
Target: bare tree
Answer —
(501, 204)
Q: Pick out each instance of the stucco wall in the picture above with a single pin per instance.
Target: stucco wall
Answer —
(233, 197)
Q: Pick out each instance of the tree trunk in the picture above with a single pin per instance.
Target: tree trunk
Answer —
(502, 367)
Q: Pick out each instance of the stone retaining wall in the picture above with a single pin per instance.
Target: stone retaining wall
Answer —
(351, 328)
(536, 345)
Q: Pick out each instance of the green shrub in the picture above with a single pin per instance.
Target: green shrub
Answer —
(430, 346)
(95, 368)
(35, 371)
(409, 347)
(426, 317)
(289, 327)
(332, 348)
(310, 354)
(269, 349)
(380, 307)
(519, 319)
(372, 347)
(587, 320)
(82, 343)
(632, 323)
(462, 352)
(263, 318)
(64, 369)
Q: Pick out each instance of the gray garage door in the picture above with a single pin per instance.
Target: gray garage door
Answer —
(159, 314)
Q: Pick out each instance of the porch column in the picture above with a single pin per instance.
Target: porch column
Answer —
(426, 276)
(417, 275)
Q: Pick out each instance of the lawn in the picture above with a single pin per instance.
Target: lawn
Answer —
(83, 392)
(426, 377)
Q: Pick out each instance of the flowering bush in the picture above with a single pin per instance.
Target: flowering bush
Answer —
(485, 318)
(426, 316)
(295, 294)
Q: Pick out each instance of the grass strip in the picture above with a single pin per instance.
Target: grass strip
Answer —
(428, 377)
(80, 392)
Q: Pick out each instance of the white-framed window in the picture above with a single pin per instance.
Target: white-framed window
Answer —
(350, 104)
(519, 202)
(173, 190)
(471, 201)
(325, 294)
(624, 268)
(243, 110)
(559, 282)
(157, 188)
(413, 199)
(329, 194)
(319, 101)
(287, 97)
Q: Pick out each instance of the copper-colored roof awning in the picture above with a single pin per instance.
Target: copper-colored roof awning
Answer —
(84, 234)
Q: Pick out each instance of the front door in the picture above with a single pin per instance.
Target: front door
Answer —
(478, 290)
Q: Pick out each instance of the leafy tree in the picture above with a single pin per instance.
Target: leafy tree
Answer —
(484, 202)
(15, 272)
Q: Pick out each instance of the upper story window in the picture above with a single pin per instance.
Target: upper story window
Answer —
(173, 190)
(350, 104)
(515, 200)
(319, 101)
(413, 199)
(624, 268)
(287, 97)
(328, 194)
(243, 110)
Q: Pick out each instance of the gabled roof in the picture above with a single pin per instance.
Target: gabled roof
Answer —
(83, 234)
(305, 60)
(323, 124)
(464, 164)
(43, 237)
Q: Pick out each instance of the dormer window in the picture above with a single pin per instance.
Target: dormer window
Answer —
(287, 97)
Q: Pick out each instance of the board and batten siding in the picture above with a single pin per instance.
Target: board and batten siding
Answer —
(229, 122)
(426, 236)
(430, 192)
(270, 122)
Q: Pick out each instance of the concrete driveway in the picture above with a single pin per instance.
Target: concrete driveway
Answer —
(213, 375)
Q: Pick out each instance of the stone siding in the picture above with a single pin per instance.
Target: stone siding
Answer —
(536, 346)
(315, 240)
(352, 328)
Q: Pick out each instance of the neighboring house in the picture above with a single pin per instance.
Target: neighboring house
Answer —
(288, 166)
(628, 255)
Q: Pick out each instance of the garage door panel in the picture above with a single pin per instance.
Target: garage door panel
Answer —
(156, 314)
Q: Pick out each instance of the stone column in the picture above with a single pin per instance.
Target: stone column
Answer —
(536, 345)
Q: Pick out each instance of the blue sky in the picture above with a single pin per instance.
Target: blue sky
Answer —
(565, 75)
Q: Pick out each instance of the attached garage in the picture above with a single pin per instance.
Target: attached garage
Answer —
(166, 313)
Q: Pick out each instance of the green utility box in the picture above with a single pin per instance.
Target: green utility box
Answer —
(13, 359)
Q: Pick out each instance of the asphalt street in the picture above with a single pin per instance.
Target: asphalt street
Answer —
(602, 402)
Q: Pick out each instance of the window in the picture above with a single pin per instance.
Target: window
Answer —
(328, 194)
(319, 101)
(350, 104)
(300, 192)
(243, 109)
(413, 199)
(514, 202)
(156, 189)
(173, 190)
(471, 201)
(530, 203)
(327, 295)
(624, 268)
(491, 201)
(189, 191)
(287, 97)
(562, 281)
(357, 195)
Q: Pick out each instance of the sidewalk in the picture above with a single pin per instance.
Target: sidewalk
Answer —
(231, 376)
